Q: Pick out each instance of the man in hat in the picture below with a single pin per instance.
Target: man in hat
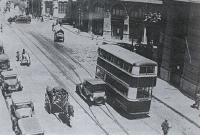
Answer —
(165, 127)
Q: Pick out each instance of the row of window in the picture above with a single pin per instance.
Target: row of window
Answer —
(99, 10)
(62, 6)
(147, 69)
(118, 62)
(142, 92)
(118, 12)
(137, 13)
(118, 86)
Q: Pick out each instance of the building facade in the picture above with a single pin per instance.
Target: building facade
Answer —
(55, 8)
(181, 60)
(120, 19)
(34, 7)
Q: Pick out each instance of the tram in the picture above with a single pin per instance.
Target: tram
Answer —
(130, 78)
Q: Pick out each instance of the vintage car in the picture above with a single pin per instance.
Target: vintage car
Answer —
(58, 35)
(20, 107)
(93, 90)
(57, 101)
(12, 19)
(1, 49)
(23, 19)
(29, 126)
(10, 83)
(25, 59)
(4, 62)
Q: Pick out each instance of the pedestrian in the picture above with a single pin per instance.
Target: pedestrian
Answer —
(17, 55)
(165, 127)
(53, 25)
(1, 28)
(197, 101)
(23, 53)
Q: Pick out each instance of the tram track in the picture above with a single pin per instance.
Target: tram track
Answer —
(107, 113)
(92, 115)
(63, 50)
(111, 116)
(60, 82)
(67, 77)
(53, 75)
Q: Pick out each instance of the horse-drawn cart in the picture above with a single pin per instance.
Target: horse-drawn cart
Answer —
(57, 101)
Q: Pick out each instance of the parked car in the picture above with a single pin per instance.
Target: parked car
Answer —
(10, 83)
(4, 62)
(20, 109)
(93, 90)
(23, 19)
(1, 49)
(12, 19)
(57, 101)
(29, 126)
(59, 35)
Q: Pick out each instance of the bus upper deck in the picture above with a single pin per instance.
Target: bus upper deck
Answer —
(128, 61)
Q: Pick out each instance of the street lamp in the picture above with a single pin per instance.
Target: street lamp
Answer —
(79, 19)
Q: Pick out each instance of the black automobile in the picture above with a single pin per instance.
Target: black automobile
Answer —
(23, 19)
(92, 90)
(59, 35)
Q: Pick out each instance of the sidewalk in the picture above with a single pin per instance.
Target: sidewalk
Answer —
(166, 94)
(94, 37)
(172, 98)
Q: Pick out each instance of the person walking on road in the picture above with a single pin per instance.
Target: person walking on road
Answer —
(1, 28)
(53, 25)
(197, 101)
(165, 127)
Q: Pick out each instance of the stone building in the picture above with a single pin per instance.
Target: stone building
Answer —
(55, 8)
(181, 58)
(120, 19)
(34, 7)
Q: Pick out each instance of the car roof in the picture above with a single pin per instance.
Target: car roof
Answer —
(9, 73)
(20, 97)
(95, 81)
(3, 57)
(30, 125)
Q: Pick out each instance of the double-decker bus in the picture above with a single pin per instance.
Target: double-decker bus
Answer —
(130, 78)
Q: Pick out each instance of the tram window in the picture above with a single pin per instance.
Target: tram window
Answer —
(135, 70)
(144, 92)
(147, 69)
(112, 59)
(122, 89)
(108, 57)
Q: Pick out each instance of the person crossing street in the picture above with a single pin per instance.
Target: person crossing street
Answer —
(165, 127)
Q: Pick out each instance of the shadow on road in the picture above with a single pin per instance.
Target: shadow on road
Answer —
(125, 114)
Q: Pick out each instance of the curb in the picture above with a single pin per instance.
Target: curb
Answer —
(176, 111)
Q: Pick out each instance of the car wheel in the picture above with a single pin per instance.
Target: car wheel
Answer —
(47, 107)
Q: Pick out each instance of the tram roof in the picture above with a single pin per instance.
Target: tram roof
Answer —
(192, 1)
(145, 1)
(128, 56)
